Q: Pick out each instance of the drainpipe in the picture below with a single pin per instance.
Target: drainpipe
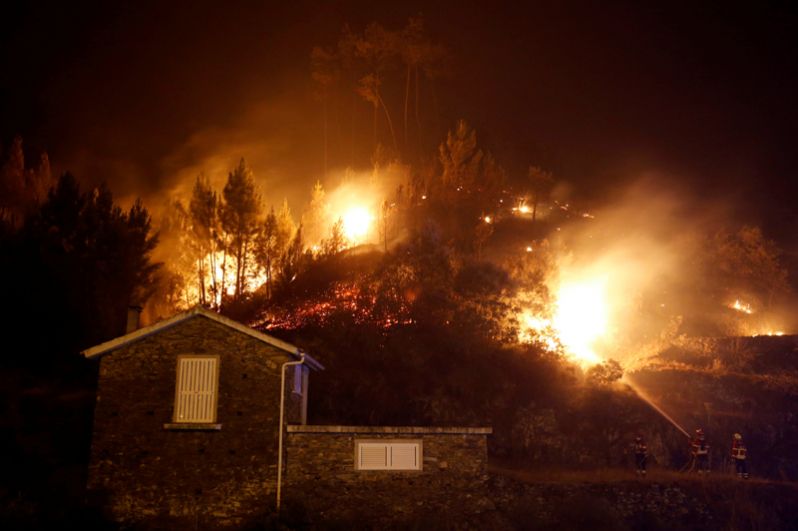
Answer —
(133, 319)
(282, 415)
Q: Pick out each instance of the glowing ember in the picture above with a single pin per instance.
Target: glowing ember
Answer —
(529, 248)
(487, 219)
(741, 307)
(346, 298)
(357, 222)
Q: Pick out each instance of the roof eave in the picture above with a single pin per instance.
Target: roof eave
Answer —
(137, 335)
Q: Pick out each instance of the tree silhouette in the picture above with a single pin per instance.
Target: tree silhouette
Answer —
(239, 214)
(378, 49)
(204, 217)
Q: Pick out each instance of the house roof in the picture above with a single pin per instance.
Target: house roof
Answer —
(141, 333)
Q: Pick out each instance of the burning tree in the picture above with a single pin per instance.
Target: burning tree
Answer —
(204, 230)
(272, 242)
(240, 210)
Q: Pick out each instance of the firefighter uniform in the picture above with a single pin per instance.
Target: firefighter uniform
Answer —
(641, 456)
(700, 451)
(738, 455)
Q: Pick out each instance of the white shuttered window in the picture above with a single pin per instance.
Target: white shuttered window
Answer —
(374, 455)
(195, 394)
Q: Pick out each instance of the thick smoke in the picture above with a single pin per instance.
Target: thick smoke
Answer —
(651, 251)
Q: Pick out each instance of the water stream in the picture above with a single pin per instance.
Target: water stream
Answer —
(648, 400)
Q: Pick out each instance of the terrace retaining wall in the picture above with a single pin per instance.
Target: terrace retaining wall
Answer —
(322, 478)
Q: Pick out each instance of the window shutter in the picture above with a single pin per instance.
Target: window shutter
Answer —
(373, 456)
(195, 399)
(388, 456)
(404, 456)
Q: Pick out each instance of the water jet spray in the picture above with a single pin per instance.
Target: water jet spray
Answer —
(648, 400)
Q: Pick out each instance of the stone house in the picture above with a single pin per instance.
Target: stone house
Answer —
(187, 434)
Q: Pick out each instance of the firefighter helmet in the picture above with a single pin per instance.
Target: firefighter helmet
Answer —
(638, 439)
(738, 437)
(699, 432)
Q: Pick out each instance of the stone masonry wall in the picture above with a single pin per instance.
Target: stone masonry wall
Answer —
(152, 476)
(322, 479)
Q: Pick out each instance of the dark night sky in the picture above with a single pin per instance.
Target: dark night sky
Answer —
(598, 92)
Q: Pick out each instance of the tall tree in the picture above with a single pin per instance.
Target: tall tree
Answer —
(12, 184)
(178, 249)
(378, 48)
(240, 210)
(468, 188)
(419, 55)
(293, 259)
(92, 259)
(22, 189)
(325, 68)
(204, 217)
(346, 51)
(272, 242)
(316, 216)
(266, 247)
(412, 48)
(460, 160)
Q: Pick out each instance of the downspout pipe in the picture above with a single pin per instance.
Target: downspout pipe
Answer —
(282, 427)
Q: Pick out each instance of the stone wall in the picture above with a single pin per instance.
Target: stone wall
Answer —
(155, 476)
(668, 502)
(321, 478)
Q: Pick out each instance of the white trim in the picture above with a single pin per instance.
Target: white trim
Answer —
(141, 333)
(196, 389)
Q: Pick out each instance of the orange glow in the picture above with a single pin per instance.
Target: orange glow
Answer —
(580, 319)
(342, 298)
(357, 223)
(771, 333)
(224, 272)
(741, 306)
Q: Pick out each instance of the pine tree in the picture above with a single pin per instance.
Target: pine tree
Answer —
(314, 220)
(240, 210)
(204, 217)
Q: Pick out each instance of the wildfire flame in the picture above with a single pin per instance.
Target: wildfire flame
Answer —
(741, 307)
(580, 319)
(522, 209)
(357, 223)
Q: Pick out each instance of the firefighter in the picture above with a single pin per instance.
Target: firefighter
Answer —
(641, 455)
(738, 455)
(700, 451)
